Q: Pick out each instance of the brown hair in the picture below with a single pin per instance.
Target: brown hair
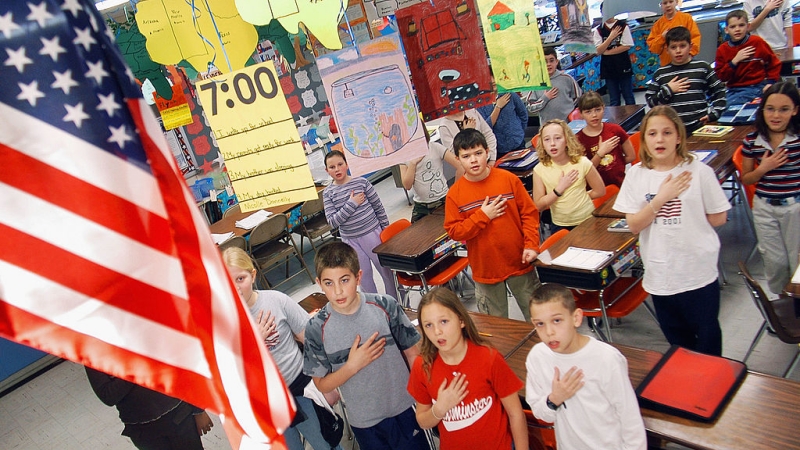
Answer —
(553, 292)
(590, 100)
(335, 255)
(444, 297)
(574, 148)
(738, 13)
(334, 153)
(669, 113)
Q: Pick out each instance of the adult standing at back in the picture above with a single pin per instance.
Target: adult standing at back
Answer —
(771, 20)
(672, 18)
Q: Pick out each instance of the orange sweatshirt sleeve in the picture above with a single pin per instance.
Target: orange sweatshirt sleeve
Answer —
(460, 228)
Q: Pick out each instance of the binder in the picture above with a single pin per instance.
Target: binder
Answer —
(691, 384)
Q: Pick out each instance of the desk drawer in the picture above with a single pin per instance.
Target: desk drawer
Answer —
(407, 263)
(593, 281)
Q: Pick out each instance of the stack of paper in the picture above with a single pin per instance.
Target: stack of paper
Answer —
(250, 222)
(220, 238)
(796, 277)
(583, 258)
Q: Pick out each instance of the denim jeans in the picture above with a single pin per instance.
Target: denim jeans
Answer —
(619, 86)
(745, 94)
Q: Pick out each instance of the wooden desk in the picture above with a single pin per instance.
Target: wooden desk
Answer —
(228, 223)
(591, 234)
(792, 290)
(413, 250)
(628, 116)
(725, 147)
(790, 57)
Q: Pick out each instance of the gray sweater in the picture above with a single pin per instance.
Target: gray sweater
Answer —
(559, 107)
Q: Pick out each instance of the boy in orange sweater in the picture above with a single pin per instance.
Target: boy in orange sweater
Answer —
(490, 209)
(672, 18)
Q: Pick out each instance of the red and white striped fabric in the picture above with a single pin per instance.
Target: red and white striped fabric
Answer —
(104, 258)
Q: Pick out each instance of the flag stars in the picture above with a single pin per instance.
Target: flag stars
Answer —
(51, 48)
(63, 81)
(75, 114)
(30, 92)
(18, 59)
(72, 6)
(119, 136)
(39, 13)
(7, 24)
(96, 71)
(84, 38)
(108, 104)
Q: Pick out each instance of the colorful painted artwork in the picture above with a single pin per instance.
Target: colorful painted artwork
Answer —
(445, 51)
(576, 26)
(321, 17)
(514, 45)
(373, 104)
(221, 37)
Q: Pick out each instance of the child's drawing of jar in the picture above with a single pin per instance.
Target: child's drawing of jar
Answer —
(375, 111)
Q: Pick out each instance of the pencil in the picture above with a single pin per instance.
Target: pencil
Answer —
(484, 334)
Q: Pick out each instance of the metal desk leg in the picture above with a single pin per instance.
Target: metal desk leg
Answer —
(403, 301)
(606, 322)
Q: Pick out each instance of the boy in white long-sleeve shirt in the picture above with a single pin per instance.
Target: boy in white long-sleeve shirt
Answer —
(577, 382)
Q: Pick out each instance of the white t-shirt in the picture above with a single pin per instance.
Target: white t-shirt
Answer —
(603, 414)
(430, 184)
(680, 248)
(448, 130)
(772, 28)
(626, 38)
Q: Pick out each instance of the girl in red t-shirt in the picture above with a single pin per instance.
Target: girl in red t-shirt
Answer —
(605, 144)
(460, 384)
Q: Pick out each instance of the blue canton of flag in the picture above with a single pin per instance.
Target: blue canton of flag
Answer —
(69, 74)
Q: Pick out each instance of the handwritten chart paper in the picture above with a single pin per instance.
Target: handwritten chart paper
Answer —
(172, 35)
(373, 104)
(257, 137)
(514, 45)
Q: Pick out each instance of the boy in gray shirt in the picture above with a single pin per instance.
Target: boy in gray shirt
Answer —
(558, 102)
(363, 343)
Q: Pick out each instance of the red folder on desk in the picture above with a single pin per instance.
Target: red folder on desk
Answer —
(690, 384)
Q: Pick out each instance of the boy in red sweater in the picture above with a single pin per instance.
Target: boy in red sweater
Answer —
(490, 209)
(746, 63)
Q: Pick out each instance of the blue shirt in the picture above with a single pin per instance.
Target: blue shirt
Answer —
(511, 123)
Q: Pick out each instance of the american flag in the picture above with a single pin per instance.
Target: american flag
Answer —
(105, 260)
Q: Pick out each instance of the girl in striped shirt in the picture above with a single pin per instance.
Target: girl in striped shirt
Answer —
(353, 206)
(771, 161)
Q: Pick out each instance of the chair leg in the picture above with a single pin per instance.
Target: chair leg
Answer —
(756, 340)
(302, 261)
(793, 364)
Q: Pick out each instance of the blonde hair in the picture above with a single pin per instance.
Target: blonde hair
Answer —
(236, 257)
(669, 113)
(574, 148)
(445, 297)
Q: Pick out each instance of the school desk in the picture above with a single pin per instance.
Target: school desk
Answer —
(592, 234)
(607, 209)
(228, 223)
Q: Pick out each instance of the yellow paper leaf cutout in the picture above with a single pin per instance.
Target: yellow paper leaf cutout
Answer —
(321, 17)
(171, 35)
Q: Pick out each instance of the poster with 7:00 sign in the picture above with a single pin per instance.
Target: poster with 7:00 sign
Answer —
(257, 136)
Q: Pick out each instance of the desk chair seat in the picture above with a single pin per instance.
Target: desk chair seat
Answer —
(778, 314)
(575, 115)
(442, 273)
(611, 190)
(541, 435)
(619, 299)
(236, 241)
(534, 141)
(271, 244)
(313, 223)
(749, 191)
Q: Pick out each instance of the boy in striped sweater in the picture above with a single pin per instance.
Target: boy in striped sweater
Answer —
(689, 86)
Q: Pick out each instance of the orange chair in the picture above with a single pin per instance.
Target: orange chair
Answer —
(611, 190)
(535, 140)
(749, 191)
(438, 275)
(555, 237)
(635, 141)
(618, 300)
(575, 115)
(796, 34)
(541, 435)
